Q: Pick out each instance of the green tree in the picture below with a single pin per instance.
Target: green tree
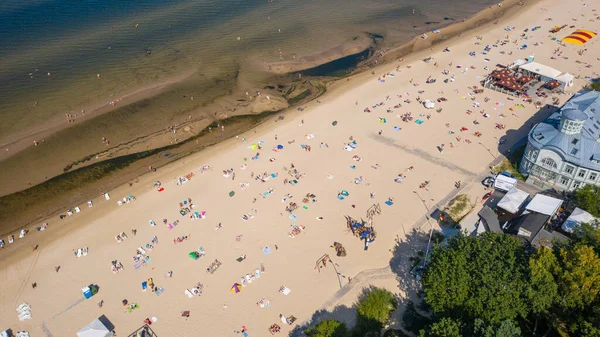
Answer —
(542, 289)
(589, 235)
(327, 328)
(478, 277)
(446, 327)
(507, 328)
(588, 198)
(375, 305)
(579, 277)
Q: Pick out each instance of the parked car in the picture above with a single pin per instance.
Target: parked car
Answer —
(488, 182)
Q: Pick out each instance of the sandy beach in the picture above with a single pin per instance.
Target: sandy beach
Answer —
(353, 139)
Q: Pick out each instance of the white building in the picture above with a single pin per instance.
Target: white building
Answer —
(564, 150)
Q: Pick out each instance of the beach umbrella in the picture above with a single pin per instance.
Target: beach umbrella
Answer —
(236, 288)
(280, 146)
(253, 146)
(231, 194)
(579, 37)
(334, 123)
(382, 120)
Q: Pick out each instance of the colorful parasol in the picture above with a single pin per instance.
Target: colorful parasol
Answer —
(579, 37)
(236, 288)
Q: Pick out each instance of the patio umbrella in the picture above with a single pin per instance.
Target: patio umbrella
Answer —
(236, 288)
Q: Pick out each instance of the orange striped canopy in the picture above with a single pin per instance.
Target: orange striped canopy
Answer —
(579, 37)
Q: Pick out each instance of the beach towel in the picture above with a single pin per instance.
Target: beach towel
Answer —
(419, 121)
(144, 286)
(159, 291)
(267, 250)
(188, 293)
(397, 128)
(257, 273)
(293, 217)
(285, 290)
(340, 197)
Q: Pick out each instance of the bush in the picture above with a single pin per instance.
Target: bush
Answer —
(327, 328)
(376, 304)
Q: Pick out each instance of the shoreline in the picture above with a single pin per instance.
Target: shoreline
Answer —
(415, 49)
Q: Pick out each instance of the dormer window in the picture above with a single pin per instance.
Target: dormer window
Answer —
(574, 151)
(575, 141)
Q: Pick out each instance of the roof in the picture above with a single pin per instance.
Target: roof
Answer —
(579, 149)
(544, 204)
(545, 238)
(573, 113)
(577, 217)
(490, 220)
(528, 225)
(504, 183)
(97, 328)
(548, 71)
(513, 200)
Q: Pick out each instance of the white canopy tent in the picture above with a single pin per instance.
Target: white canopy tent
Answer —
(513, 200)
(544, 204)
(548, 73)
(576, 218)
(95, 329)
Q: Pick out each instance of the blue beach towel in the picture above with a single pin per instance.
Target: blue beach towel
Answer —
(419, 121)
(293, 217)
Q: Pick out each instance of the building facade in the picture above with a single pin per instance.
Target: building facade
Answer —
(564, 150)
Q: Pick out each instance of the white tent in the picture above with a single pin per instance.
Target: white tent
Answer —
(544, 204)
(576, 218)
(513, 200)
(549, 73)
(95, 329)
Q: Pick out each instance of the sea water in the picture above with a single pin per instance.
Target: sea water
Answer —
(60, 57)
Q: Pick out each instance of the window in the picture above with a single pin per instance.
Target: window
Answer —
(569, 169)
(549, 162)
(596, 126)
(564, 181)
(581, 173)
(593, 176)
(576, 184)
(575, 141)
(574, 151)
